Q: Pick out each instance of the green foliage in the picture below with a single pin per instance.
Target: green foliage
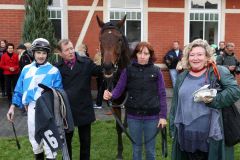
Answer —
(37, 24)
(104, 145)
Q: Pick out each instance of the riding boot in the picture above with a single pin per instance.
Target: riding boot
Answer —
(39, 156)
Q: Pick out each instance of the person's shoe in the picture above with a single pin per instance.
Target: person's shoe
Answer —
(97, 107)
(39, 156)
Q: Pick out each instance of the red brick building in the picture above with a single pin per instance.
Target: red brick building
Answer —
(158, 21)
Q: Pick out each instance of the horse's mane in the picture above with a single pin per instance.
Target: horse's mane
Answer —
(124, 59)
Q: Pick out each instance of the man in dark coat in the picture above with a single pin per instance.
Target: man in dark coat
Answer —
(24, 57)
(171, 59)
(76, 74)
(228, 59)
(220, 50)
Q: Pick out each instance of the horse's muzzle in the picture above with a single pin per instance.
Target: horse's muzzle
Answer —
(108, 69)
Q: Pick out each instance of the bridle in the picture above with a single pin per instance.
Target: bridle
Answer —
(114, 66)
(108, 78)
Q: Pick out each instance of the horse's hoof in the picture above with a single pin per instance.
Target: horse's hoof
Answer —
(119, 157)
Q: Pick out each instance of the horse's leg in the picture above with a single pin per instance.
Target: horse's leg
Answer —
(117, 110)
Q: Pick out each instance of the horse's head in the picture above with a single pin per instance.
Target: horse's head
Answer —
(113, 46)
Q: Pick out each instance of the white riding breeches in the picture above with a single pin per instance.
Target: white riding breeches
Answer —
(37, 148)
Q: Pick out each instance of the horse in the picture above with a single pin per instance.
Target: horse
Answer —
(115, 57)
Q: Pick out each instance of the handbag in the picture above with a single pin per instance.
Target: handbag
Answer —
(164, 142)
(231, 125)
(237, 69)
(231, 119)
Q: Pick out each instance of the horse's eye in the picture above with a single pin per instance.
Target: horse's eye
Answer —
(120, 40)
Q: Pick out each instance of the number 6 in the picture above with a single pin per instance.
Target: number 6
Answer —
(52, 140)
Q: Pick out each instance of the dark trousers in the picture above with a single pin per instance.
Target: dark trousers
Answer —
(84, 133)
(101, 88)
(2, 81)
(11, 81)
(198, 155)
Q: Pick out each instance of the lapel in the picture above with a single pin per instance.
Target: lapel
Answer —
(78, 67)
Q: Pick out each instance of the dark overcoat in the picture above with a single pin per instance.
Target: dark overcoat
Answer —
(77, 85)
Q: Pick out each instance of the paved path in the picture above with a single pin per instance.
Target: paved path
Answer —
(21, 121)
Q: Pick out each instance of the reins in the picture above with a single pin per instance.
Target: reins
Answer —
(109, 78)
(109, 104)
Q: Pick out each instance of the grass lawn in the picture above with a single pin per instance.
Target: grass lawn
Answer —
(103, 147)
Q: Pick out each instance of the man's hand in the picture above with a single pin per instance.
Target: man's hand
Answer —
(168, 61)
(179, 66)
(10, 114)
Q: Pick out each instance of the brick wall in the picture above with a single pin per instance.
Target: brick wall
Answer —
(232, 4)
(166, 3)
(232, 33)
(92, 35)
(167, 78)
(232, 26)
(163, 29)
(76, 23)
(11, 25)
(12, 1)
(83, 2)
(76, 20)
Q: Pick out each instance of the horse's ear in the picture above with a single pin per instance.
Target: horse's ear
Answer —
(121, 22)
(100, 22)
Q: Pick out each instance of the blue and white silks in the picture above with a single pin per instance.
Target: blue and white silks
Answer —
(27, 89)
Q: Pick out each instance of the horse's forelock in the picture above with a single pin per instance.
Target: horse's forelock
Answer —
(108, 32)
(110, 25)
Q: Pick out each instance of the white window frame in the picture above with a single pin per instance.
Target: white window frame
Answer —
(205, 11)
(52, 9)
(140, 10)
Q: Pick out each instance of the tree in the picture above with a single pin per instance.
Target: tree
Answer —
(37, 24)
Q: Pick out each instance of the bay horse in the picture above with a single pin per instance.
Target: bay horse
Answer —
(115, 57)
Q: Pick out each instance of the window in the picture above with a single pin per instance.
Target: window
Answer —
(125, 4)
(204, 4)
(132, 8)
(204, 20)
(55, 3)
(55, 14)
